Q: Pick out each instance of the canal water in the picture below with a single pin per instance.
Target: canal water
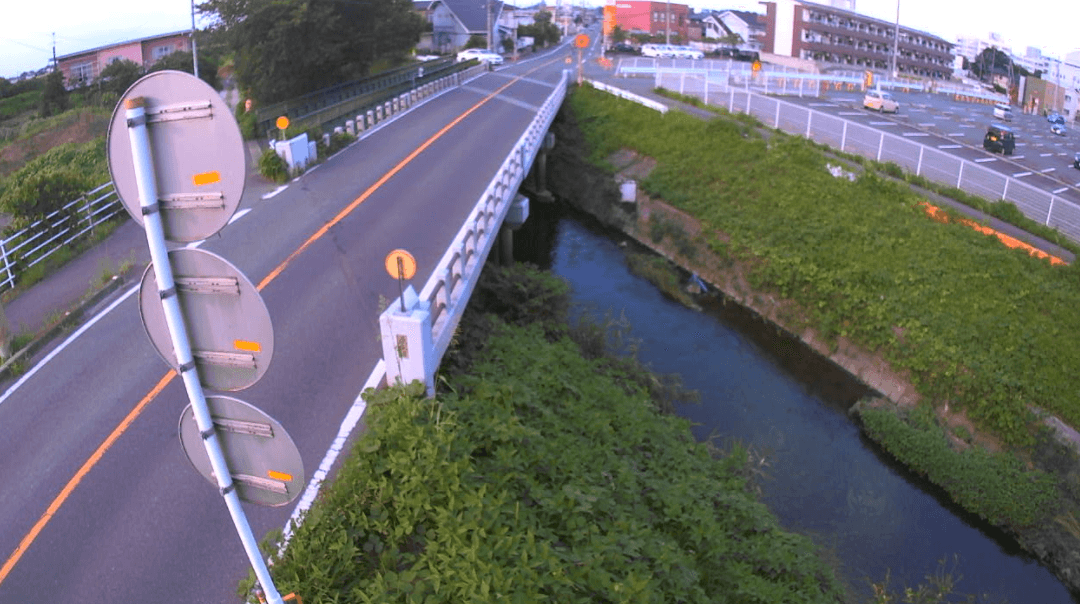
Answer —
(765, 390)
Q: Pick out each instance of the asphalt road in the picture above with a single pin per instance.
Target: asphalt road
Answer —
(142, 525)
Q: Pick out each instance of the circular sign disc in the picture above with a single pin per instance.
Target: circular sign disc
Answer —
(581, 41)
(263, 459)
(196, 149)
(282, 122)
(228, 325)
(407, 267)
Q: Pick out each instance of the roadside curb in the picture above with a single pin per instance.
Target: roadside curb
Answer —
(71, 318)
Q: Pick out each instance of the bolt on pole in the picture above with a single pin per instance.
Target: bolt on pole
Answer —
(155, 239)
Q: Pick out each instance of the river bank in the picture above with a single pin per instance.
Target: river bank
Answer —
(1039, 514)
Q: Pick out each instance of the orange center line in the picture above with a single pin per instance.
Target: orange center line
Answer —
(98, 453)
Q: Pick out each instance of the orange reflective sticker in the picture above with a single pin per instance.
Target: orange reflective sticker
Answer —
(206, 178)
(246, 345)
(282, 476)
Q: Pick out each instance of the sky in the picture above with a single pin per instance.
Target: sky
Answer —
(27, 39)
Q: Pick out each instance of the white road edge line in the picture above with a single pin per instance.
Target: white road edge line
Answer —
(1062, 189)
(239, 215)
(955, 134)
(1047, 170)
(985, 159)
(78, 332)
(275, 192)
(1021, 174)
(348, 424)
(949, 146)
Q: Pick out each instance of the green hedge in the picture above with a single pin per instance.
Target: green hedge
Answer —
(976, 323)
(543, 476)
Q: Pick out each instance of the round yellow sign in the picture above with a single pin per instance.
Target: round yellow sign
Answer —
(400, 264)
(282, 122)
(581, 41)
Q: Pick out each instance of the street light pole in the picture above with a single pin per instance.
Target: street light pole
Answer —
(896, 40)
(667, 24)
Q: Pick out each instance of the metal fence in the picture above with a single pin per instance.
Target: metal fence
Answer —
(936, 165)
(27, 247)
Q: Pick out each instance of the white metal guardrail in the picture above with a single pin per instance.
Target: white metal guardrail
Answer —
(415, 341)
(27, 247)
(939, 166)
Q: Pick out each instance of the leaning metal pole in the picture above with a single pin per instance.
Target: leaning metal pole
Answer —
(159, 255)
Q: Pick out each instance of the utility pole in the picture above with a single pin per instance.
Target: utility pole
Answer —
(55, 65)
(667, 24)
(194, 54)
(896, 40)
(489, 40)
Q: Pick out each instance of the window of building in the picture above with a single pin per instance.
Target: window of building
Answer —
(162, 51)
(82, 73)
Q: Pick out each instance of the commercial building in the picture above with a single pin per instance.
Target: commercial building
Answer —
(83, 67)
(832, 36)
(653, 18)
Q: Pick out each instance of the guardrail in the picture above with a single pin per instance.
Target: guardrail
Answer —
(944, 168)
(415, 341)
(27, 247)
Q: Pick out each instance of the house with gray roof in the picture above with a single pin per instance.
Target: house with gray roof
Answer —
(453, 22)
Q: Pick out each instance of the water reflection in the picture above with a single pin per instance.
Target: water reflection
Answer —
(769, 392)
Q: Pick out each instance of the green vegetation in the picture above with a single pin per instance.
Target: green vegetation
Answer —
(273, 167)
(343, 41)
(975, 323)
(540, 473)
(53, 179)
(997, 487)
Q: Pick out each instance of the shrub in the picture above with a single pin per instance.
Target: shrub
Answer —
(273, 167)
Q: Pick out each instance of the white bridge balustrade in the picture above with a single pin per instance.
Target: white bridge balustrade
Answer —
(415, 341)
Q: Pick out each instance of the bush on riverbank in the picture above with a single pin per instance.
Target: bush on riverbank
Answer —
(542, 473)
(973, 322)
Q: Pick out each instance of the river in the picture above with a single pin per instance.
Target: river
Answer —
(767, 391)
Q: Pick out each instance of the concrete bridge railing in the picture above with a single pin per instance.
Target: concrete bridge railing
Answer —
(415, 340)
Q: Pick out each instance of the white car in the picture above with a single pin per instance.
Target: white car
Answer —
(480, 54)
(686, 52)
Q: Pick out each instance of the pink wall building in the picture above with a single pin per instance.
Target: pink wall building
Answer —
(638, 16)
(83, 67)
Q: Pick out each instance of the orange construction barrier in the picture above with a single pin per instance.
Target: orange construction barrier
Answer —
(937, 214)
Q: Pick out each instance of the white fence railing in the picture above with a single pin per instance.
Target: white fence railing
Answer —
(415, 341)
(27, 247)
(939, 166)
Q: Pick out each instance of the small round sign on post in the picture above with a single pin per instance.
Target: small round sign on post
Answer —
(401, 265)
(581, 41)
(282, 122)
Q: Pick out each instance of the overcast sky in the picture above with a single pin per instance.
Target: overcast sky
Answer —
(27, 38)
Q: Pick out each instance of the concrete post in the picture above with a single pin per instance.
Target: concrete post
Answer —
(386, 109)
(408, 349)
(379, 113)
(370, 118)
(339, 130)
(326, 140)
(395, 106)
(506, 245)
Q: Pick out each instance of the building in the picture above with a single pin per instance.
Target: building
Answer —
(970, 47)
(748, 26)
(835, 37)
(453, 22)
(653, 18)
(83, 67)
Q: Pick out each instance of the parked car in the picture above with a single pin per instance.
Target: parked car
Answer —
(999, 138)
(624, 48)
(748, 55)
(1055, 118)
(1058, 129)
(656, 51)
(1076, 161)
(480, 54)
(686, 52)
(725, 52)
(880, 101)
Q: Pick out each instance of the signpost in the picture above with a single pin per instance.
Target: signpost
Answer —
(581, 41)
(401, 265)
(179, 171)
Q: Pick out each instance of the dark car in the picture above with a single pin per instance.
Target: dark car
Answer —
(748, 55)
(1076, 161)
(624, 48)
(725, 53)
(1055, 118)
(999, 139)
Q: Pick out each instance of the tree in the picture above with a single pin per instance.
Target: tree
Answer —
(618, 35)
(117, 77)
(731, 39)
(181, 61)
(54, 99)
(285, 48)
(542, 30)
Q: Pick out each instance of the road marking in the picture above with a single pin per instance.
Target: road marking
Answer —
(967, 125)
(275, 192)
(850, 113)
(1021, 144)
(824, 105)
(1021, 174)
(1062, 154)
(909, 134)
(1062, 189)
(926, 124)
(949, 146)
(1047, 171)
(983, 160)
(239, 215)
(94, 458)
(882, 123)
(955, 134)
(1045, 154)
(1018, 157)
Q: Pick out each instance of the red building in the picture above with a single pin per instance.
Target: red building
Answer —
(83, 67)
(653, 18)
